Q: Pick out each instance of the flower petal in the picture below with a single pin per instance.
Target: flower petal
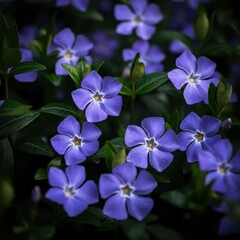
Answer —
(168, 142)
(90, 132)
(61, 143)
(81, 5)
(160, 160)
(184, 139)
(60, 3)
(139, 207)
(122, 12)
(128, 54)
(111, 87)
(192, 151)
(155, 54)
(112, 106)
(92, 81)
(57, 178)
(223, 149)
(82, 45)
(126, 172)
(115, 207)
(192, 122)
(138, 156)
(125, 28)
(65, 38)
(138, 7)
(145, 31)
(108, 185)
(187, 62)
(26, 77)
(141, 46)
(145, 183)
(76, 175)
(218, 180)
(194, 93)
(178, 78)
(88, 193)
(207, 161)
(59, 70)
(89, 148)
(206, 67)
(73, 206)
(152, 14)
(228, 226)
(154, 126)
(235, 162)
(94, 113)
(74, 156)
(69, 126)
(81, 97)
(134, 135)
(210, 125)
(56, 195)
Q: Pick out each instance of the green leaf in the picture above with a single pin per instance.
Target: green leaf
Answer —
(84, 67)
(6, 194)
(212, 98)
(54, 79)
(74, 72)
(110, 153)
(99, 66)
(36, 146)
(160, 177)
(27, 66)
(56, 162)
(119, 158)
(3, 24)
(138, 71)
(60, 109)
(176, 198)
(44, 232)
(173, 120)
(13, 108)
(41, 174)
(126, 89)
(150, 82)
(150, 218)
(9, 125)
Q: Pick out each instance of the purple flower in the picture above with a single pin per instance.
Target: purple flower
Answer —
(124, 190)
(69, 190)
(196, 74)
(98, 96)
(151, 142)
(193, 4)
(70, 49)
(222, 169)
(140, 16)
(78, 4)
(105, 46)
(74, 142)
(198, 134)
(27, 34)
(150, 55)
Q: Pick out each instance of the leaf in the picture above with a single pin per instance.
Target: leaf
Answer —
(13, 108)
(150, 82)
(42, 232)
(119, 158)
(126, 89)
(36, 146)
(54, 79)
(176, 198)
(41, 174)
(212, 98)
(27, 66)
(173, 120)
(60, 109)
(74, 72)
(160, 177)
(56, 162)
(110, 153)
(10, 125)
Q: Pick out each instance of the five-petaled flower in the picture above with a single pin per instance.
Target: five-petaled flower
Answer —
(69, 48)
(141, 16)
(198, 134)
(222, 168)
(196, 74)
(99, 97)
(68, 189)
(151, 55)
(74, 142)
(152, 142)
(78, 4)
(124, 190)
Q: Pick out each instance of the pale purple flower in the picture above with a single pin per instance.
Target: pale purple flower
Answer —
(196, 75)
(150, 54)
(138, 15)
(69, 189)
(198, 134)
(81, 5)
(151, 142)
(70, 48)
(27, 34)
(99, 97)
(193, 4)
(76, 142)
(124, 190)
(222, 169)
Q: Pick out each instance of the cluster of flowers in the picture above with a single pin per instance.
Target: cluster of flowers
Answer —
(125, 187)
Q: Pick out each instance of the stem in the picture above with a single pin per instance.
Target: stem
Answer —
(133, 96)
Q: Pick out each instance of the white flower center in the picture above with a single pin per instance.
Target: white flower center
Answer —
(97, 97)
(199, 136)
(150, 144)
(126, 191)
(68, 54)
(193, 78)
(77, 141)
(69, 191)
(223, 168)
(137, 20)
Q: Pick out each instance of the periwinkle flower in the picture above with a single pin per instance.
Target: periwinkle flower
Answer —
(99, 97)
(140, 16)
(124, 190)
(78, 4)
(70, 48)
(193, 4)
(151, 55)
(221, 167)
(198, 134)
(27, 34)
(69, 189)
(76, 142)
(151, 142)
(196, 74)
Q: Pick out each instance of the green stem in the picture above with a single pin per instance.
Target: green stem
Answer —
(133, 95)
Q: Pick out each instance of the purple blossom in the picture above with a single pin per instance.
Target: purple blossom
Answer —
(150, 55)
(70, 49)
(124, 189)
(151, 141)
(68, 189)
(196, 74)
(27, 34)
(193, 4)
(99, 97)
(81, 5)
(140, 16)
(222, 169)
(198, 134)
(76, 142)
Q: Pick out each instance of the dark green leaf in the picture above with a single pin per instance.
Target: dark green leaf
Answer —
(126, 89)
(150, 82)
(176, 198)
(54, 79)
(119, 158)
(99, 66)
(12, 35)
(60, 109)
(6, 193)
(56, 162)
(150, 218)
(9, 125)
(110, 153)
(41, 174)
(173, 120)
(212, 98)
(74, 72)
(27, 66)
(138, 71)
(160, 177)
(3, 24)
(45, 232)
(36, 146)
